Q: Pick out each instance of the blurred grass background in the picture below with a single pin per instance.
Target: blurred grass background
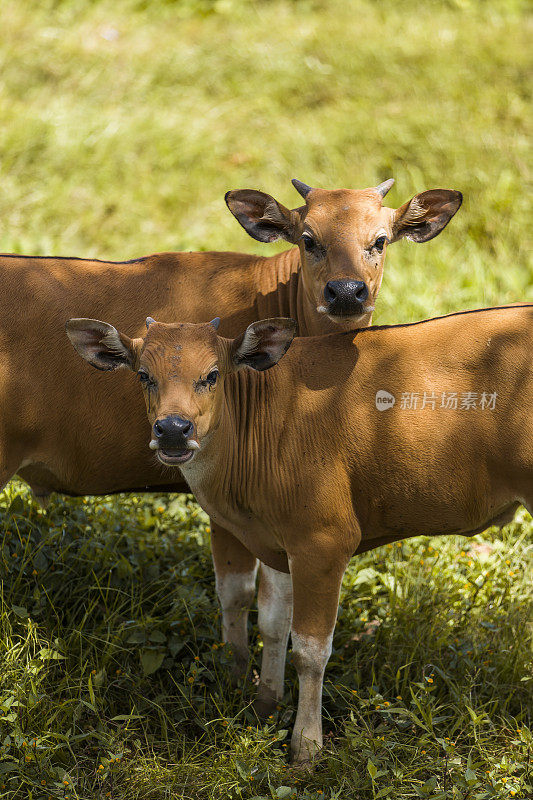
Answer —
(122, 126)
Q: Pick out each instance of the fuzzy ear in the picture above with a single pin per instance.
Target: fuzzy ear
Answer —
(263, 217)
(101, 344)
(263, 343)
(425, 215)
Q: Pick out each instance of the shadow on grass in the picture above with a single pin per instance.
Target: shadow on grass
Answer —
(112, 670)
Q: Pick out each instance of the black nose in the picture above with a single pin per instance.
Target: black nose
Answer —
(345, 298)
(172, 431)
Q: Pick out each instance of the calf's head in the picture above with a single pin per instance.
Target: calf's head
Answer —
(343, 236)
(181, 368)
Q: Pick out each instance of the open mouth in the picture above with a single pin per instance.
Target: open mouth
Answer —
(175, 456)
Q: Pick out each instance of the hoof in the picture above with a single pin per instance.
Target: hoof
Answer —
(264, 709)
(265, 703)
(305, 752)
(301, 765)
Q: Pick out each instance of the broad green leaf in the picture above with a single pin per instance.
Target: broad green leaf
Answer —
(284, 791)
(40, 561)
(430, 785)
(8, 766)
(46, 654)
(157, 636)
(137, 637)
(366, 575)
(241, 769)
(470, 776)
(17, 505)
(372, 769)
(151, 660)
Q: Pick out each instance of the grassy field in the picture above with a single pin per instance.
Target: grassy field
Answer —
(122, 125)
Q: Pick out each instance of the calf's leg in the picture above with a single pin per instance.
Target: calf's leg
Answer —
(235, 573)
(316, 581)
(275, 614)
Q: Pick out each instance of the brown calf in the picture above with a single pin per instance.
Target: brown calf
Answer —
(355, 440)
(55, 429)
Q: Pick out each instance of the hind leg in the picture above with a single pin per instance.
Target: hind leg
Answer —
(23, 469)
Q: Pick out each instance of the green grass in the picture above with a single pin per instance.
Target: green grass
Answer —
(113, 678)
(123, 124)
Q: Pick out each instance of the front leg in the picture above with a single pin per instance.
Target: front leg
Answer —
(235, 573)
(316, 578)
(275, 615)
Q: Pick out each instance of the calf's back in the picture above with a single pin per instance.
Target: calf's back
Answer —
(318, 453)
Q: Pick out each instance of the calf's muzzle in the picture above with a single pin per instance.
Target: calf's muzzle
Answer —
(172, 439)
(172, 430)
(345, 298)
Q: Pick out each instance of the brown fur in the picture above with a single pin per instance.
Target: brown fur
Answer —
(299, 465)
(66, 429)
(55, 429)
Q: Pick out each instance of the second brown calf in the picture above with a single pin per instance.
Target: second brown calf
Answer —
(353, 441)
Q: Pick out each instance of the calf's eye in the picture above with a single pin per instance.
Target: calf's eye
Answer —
(379, 244)
(207, 383)
(145, 379)
(212, 378)
(309, 242)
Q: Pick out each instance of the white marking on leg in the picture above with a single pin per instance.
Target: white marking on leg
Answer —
(311, 654)
(275, 616)
(236, 591)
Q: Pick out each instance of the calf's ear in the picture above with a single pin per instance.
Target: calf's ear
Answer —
(263, 343)
(101, 344)
(263, 217)
(425, 215)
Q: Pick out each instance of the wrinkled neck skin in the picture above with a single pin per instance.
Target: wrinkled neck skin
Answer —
(290, 298)
(238, 458)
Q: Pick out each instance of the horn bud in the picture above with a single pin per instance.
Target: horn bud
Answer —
(301, 188)
(384, 187)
